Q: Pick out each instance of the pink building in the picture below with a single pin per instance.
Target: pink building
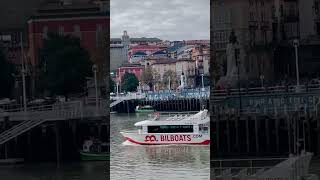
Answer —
(136, 69)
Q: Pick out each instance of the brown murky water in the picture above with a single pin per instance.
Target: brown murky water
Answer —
(154, 162)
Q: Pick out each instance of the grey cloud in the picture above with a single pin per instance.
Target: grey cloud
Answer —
(166, 19)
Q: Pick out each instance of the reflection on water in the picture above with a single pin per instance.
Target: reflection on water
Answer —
(49, 171)
(154, 162)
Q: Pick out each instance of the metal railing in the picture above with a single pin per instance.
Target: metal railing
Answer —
(283, 110)
(265, 90)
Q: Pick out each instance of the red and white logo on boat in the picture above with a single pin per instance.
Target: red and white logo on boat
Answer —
(150, 138)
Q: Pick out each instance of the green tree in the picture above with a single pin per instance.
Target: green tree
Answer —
(65, 65)
(129, 82)
(7, 71)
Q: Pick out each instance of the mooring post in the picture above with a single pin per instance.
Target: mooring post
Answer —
(74, 132)
(277, 133)
(247, 134)
(256, 134)
(289, 120)
(228, 132)
(237, 121)
(57, 133)
(266, 121)
(127, 101)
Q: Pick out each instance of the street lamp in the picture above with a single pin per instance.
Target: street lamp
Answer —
(94, 70)
(261, 78)
(296, 45)
(202, 84)
(169, 83)
(140, 90)
(236, 55)
(23, 72)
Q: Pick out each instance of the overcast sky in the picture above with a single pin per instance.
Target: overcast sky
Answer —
(165, 19)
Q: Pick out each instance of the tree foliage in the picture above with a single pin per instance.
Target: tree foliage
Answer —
(129, 82)
(65, 65)
(7, 70)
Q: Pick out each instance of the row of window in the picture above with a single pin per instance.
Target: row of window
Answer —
(171, 129)
(76, 29)
(251, 2)
(252, 16)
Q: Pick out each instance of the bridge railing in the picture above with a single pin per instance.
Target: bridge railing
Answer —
(59, 110)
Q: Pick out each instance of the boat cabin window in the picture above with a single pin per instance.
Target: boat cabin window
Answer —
(203, 128)
(171, 129)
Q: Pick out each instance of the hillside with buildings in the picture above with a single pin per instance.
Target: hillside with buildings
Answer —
(189, 58)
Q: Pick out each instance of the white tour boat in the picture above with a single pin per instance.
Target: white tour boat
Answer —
(177, 129)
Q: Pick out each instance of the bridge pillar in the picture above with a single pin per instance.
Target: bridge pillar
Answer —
(58, 145)
(256, 125)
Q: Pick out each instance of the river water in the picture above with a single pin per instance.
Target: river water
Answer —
(172, 162)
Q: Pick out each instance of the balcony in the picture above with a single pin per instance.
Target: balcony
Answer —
(253, 24)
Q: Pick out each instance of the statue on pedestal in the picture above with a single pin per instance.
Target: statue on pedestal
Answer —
(234, 59)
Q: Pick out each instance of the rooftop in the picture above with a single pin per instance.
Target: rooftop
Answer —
(144, 39)
(140, 53)
(129, 65)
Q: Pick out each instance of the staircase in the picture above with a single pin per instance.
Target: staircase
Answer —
(116, 102)
(19, 129)
(35, 117)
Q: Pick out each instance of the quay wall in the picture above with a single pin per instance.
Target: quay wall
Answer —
(183, 104)
(53, 140)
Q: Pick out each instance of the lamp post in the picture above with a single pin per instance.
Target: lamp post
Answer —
(236, 55)
(23, 73)
(261, 78)
(117, 89)
(296, 45)
(94, 70)
(169, 83)
(202, 84)
(140, 90)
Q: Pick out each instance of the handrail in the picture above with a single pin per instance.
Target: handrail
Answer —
(300, 88)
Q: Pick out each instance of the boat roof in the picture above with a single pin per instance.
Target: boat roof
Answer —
(199, 118)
